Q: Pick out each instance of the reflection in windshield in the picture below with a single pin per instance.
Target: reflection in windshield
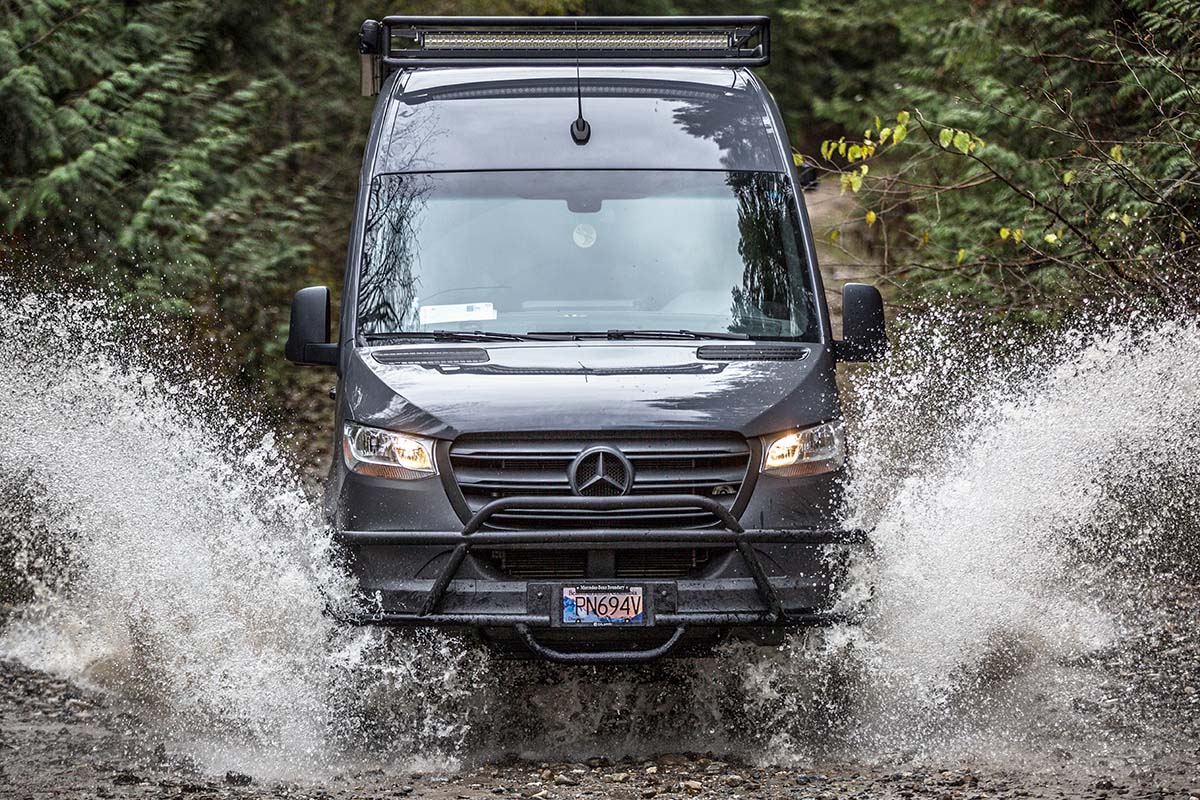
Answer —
(765, 226)
(584, 251)
(387, 277)
(726, 120)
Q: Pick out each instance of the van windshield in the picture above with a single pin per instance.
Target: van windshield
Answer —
(584, 251)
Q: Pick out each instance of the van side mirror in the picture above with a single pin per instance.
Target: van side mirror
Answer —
(308, 334)
(863, 334)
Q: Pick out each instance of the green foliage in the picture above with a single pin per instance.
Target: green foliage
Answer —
(1054, 153)
(140, 163)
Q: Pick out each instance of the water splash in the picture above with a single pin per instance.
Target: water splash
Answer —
(1014, 529)
(192, 568)
(173, 558)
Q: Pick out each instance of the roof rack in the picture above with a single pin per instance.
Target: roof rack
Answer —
(399, 42)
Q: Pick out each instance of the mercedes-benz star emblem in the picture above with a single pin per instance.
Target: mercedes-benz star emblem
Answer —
(601, 472)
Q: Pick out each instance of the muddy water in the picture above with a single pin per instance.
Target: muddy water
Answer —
(1028, 501)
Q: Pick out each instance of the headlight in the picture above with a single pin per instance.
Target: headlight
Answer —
(812, 451)
(385, 454)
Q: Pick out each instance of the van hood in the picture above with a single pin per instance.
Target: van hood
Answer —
(588, 386)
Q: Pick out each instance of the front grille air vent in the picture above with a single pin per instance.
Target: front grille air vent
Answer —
(664, 563)
(538, 565)
(659, 563)
(489, 467)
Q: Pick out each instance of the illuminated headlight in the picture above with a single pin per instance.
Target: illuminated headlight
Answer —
(385, 454)
(812, 451)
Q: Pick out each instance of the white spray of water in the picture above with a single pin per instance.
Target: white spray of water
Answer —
(188, 573)
(186, 569)
(997, 482)
(199, 568)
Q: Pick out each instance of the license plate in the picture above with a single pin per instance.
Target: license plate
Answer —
(603, 605)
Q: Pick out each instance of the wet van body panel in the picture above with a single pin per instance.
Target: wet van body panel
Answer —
(610, 385)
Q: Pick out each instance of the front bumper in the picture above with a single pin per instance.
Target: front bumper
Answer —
(743, 595)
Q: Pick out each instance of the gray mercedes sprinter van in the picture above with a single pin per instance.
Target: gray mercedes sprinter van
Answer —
(586, 405)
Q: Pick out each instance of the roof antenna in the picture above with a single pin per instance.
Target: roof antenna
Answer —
(581, 131)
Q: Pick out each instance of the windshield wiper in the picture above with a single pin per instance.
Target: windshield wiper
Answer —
(639, 334)
(680, 334)
(450, 336)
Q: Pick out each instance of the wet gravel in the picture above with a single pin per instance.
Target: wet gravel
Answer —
(58, 739)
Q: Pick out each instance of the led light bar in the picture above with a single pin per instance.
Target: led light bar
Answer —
(399, 42)
(596, 40)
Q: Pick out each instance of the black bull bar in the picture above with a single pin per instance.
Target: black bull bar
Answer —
(732, 533)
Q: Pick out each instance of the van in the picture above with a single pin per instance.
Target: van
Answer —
(586, 405)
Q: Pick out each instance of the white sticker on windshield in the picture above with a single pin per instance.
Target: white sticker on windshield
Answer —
(584, 235)
(464, 312)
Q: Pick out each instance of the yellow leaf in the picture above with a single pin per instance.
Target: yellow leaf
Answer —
(864, 169)
(1004, 233)
(1183, 237)
(877, 124)
(902, 118)
(884, 134)
(1051, 238)
(1116, 153)
(797, 159)
(1068, 176)
(871, 218)
(1018, 235)
(899, 134)
(1126, 219)
(961, 255)
(833, 236)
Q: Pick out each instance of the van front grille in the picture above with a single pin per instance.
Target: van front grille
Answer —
(708, 465)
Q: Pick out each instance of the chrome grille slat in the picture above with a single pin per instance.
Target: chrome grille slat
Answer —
(569, 448)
